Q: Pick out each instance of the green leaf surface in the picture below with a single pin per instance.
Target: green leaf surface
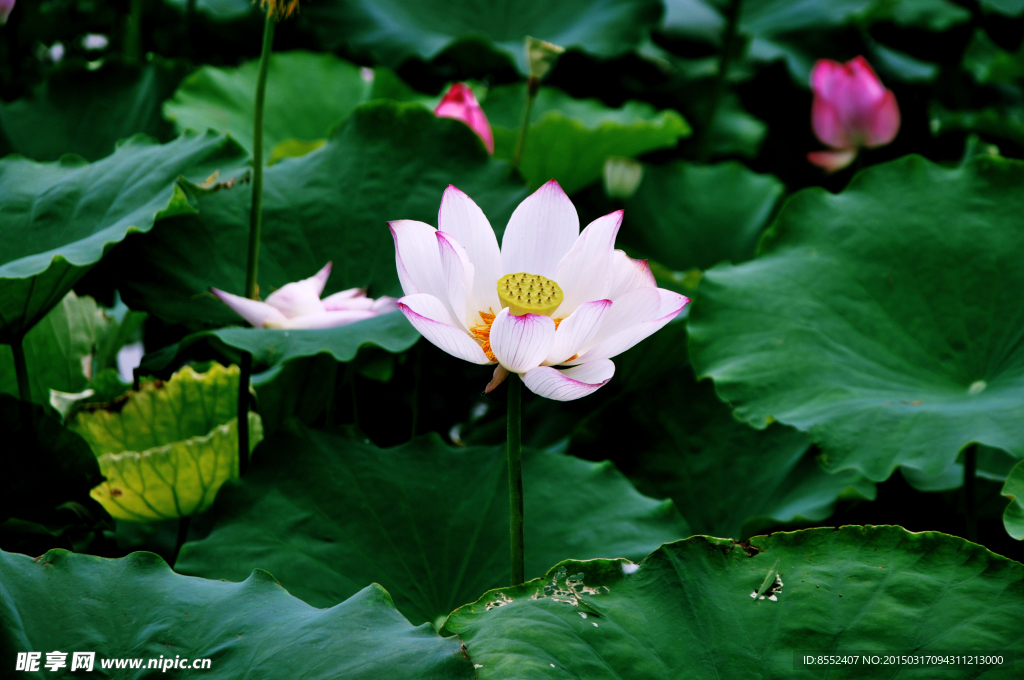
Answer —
(218, 10)
(136, 607)
(1011, 8)
(391, 332)
(307, 94)
(393, 31)
(881, 320)
(1002, 122)
(76, 339)
(45, 465)
(85, 111)
(428, 522)
(60, 218)
(990, 64)
(569, 139)
(388, 161)
(688, 610)
(167, 448)
(689, 216)
(761, 478)
(1013, 517)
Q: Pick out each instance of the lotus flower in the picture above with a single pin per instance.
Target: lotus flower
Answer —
(6, 6)
(551, 296)
(298, 305)
(460, 104)
(851, 110)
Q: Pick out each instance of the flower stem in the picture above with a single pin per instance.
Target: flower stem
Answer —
(133, 31)
(245, 371)
(417, 373)
(732, 17)
(21, 369)
(532, 88)
(970, 472)
(515, 477)
(256, 214)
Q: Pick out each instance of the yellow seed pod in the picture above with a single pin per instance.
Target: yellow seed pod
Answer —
(526, 293)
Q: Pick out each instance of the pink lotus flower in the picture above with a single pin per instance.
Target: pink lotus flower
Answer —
(460, 104)
(298, 305)
(6, 6)
(851, 110)
(551, 296)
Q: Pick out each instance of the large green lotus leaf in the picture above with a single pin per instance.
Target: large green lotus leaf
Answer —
(393, 31)
(427, 521)
(76, 339)
(388, 161)
(136, 607)
(689, 216)
(85, 111)
(687, 610)
(45, 465)
(167, 448)
(307, 93)
(60, 218)
(1013, 517)
(760, 477)
(569, 139)
(883, 320)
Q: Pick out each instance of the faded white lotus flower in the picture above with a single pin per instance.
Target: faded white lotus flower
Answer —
(551, 296)
(298, 305)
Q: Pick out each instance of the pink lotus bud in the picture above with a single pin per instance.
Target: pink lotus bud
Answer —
(5, 10)
(460, 104)
(851, 110)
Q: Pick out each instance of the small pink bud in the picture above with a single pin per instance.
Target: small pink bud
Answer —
(5, 10)
(851, 110)
(460, 104)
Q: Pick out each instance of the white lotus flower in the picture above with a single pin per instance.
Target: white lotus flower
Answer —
(551, 296)
(298, 305)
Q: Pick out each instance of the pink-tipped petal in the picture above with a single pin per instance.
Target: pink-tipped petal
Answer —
(6, 6)
(460, 103)
(569, 383)
(458, 274)
(832, 161)
(500, 373)
(628, 274)
(540, 232)
(583, 272)
(633, 317)
(576, 330)
(824, 76)
(430, 317)
(863, 84)
(461, 217)
(828, 124)
(340, 302)
(300, 298)
(323, 320)
(384, 305)
(884, 122)
(348, 294)
(522, 342)
(419, 262)
(255, 312)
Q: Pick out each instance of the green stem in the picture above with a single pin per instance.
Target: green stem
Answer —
(245, 372)
(256, 214)
(417, 372)
(732, 16)
(133, 31)
(21, 369)
(532, 87)
(515, 477)
(970, 472)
